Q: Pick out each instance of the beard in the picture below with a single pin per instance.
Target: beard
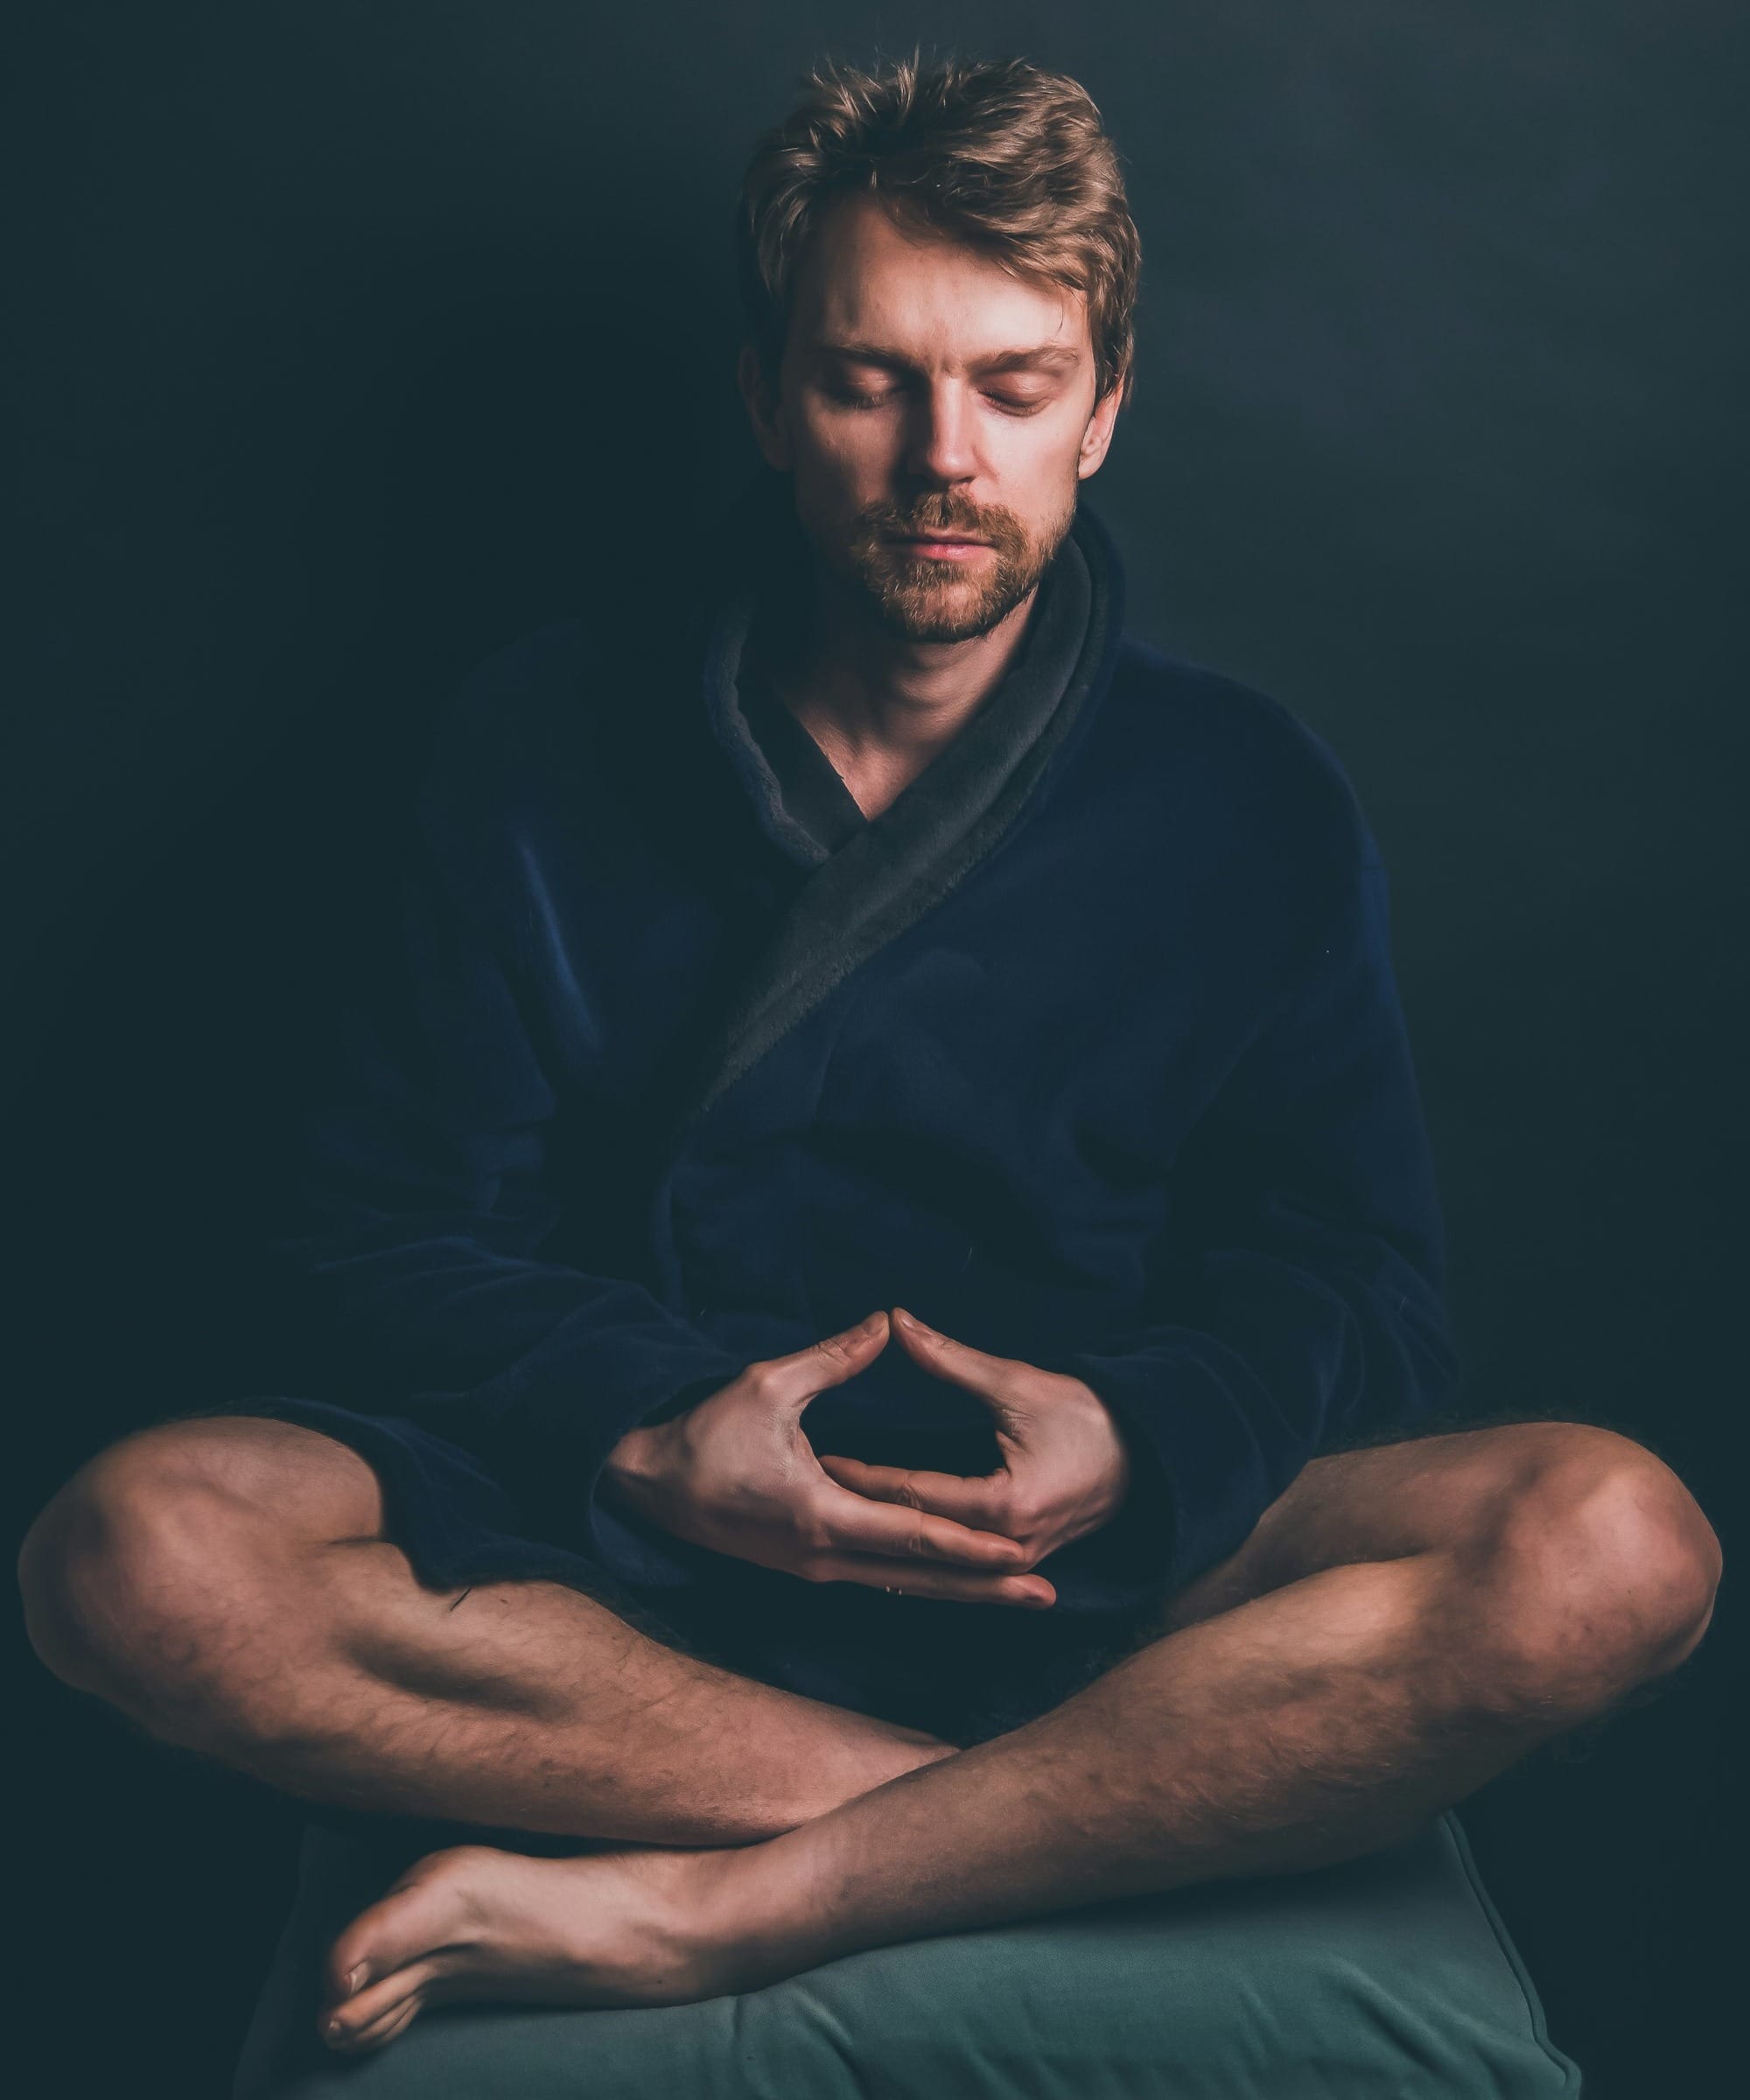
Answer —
(930, 598)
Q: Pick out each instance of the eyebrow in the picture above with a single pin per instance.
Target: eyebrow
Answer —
(1046, 357)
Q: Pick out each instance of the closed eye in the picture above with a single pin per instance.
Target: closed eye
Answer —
(1003, 403)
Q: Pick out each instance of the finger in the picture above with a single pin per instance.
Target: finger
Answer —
(911, 1534)
(988, 1376)
(967, 1499)
(954, 1584)
(796, 1378)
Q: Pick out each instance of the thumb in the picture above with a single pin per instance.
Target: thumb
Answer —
(795, 1379)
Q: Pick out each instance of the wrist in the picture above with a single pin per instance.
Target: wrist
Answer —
(1117, 1467)
(630, 1468)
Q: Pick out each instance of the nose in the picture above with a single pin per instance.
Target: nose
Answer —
(940, 446)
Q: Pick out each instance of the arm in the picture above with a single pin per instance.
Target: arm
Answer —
(427, 1199)
(1299, 1294)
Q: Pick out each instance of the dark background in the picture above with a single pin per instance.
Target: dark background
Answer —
(350, 341)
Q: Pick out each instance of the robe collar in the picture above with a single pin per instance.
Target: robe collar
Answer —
(884, 876)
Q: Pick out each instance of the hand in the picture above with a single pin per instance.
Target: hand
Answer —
(736, 1474)
(1065, 1467)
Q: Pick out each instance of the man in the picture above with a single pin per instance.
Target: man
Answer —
(895, 937)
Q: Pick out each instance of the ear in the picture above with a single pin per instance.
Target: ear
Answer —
(763, 411)
(1097, 437)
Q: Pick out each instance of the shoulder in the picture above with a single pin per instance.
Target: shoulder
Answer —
(531, 692)
(1201, 787)
(549, 718)
(568, 747)
(1201, 744)
(1191, 723)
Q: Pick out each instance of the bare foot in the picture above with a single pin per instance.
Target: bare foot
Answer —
(632, 1928)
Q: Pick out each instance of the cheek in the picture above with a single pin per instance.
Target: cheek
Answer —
(823, 432)
(1036, 455)
(840, 474)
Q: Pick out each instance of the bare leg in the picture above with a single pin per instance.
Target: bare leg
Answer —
(226, 1583)
(1407, 1621)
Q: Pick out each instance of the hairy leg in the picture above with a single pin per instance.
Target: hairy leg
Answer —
(1405, 1622)
(226, 1583)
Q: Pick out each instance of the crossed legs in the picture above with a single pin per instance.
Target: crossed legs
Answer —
(1405, 1621)
(226, 1583)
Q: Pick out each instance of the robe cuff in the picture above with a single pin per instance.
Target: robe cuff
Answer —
(630, 1545)
(1127, 1563)
(1202, 1477)
(559, 1411)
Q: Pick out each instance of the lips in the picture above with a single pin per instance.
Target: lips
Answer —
(945, 539)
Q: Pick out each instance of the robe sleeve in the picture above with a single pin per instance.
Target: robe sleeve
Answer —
(1298, 1298)
(425, 1195)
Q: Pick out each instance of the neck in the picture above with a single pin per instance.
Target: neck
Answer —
(882, 707)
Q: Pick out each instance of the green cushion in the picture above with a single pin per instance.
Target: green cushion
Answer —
(1390, 1975)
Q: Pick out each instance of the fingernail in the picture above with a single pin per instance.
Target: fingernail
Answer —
(356, 1978)
(911, 1319)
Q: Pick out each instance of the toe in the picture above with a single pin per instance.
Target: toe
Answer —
(385, 2030)
(424, 1912)
(380, 2010)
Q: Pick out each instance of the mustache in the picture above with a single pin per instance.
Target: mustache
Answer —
(941, 527)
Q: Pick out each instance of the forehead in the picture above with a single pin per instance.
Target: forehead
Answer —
(924, 295)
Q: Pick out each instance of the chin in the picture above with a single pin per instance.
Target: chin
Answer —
(927, 608)
(940, 626)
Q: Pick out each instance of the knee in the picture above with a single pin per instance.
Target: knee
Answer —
(1601, 1573)
(133, 1576)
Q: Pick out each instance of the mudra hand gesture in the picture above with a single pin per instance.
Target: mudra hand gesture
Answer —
(737, 1474)
(1065, 1468)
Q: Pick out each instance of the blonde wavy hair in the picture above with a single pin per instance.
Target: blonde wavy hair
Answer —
(999, 153)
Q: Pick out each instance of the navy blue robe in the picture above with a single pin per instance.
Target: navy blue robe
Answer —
(1087, 1049)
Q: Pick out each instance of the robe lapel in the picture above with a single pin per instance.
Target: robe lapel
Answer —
(905, 862)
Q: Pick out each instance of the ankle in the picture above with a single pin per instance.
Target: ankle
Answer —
(748, 1923)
